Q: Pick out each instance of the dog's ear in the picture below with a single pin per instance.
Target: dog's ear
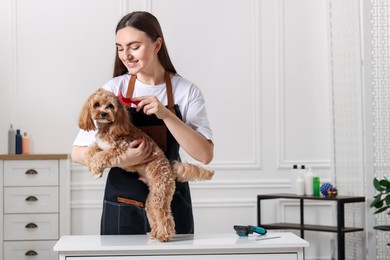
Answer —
(85, 119)
(122, 120)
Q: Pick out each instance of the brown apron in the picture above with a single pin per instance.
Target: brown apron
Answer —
(157, 132)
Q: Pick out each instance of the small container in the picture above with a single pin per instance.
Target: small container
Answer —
(302, 173)
(316, 186)
(309, 182)
(11, 140)
(300, 186)
(18, 142)
(25, 144)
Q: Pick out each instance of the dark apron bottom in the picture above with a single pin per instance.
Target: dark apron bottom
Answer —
(120, 218)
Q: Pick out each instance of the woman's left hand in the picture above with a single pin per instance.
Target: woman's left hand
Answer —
(151, 105)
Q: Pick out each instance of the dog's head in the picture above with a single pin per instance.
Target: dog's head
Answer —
(104, 108)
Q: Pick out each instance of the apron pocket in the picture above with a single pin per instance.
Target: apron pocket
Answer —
(123, 219)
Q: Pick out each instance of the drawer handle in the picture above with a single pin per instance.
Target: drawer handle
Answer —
(31, 198)
(31, 253)
(31, 172)
(31, 225)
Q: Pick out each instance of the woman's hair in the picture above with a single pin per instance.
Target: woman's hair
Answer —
(149, 24)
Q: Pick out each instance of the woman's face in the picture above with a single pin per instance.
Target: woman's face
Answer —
(136, 50)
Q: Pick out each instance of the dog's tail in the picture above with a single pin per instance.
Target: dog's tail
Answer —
(190, 172)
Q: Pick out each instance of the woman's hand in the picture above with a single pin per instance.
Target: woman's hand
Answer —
(195, 144)
(139, 152)
(151, 105)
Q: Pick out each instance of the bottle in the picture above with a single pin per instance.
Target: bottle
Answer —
(25, 144)
(316, 186)
(294, 176)
(11, 140)
(303, 170)
(302, 174)
(300, 186)
(18, 142)
(309, 182)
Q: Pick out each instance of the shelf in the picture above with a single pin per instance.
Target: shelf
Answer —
(322, 228)
(302, 227)
(345, 199)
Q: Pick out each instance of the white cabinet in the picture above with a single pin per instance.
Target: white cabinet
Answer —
(35, 210)
(281, 246)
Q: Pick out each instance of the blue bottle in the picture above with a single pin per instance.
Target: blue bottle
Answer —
(18, 142)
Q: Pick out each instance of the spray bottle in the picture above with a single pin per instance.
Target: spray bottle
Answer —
(11, 140)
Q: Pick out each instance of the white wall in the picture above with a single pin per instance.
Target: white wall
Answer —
(262, 66)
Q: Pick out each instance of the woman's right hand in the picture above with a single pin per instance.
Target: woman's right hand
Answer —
(139, 152)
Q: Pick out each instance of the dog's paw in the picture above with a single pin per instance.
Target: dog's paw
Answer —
(97, 175)
(210, 174)
(164, 237)
(152, 234)
(95, 172)
(165, 231)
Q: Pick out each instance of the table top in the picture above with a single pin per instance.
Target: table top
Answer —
(141, 243)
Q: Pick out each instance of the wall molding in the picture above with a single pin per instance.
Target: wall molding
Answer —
(285, 204)
(256, 83)
(14, 50)
(220, 185)
(257, 163)
(201, 203)
(314, 164)
(283, 163)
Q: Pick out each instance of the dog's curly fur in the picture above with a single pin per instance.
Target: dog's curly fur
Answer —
(114, 133)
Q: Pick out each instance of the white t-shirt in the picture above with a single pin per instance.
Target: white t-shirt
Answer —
(185, 94)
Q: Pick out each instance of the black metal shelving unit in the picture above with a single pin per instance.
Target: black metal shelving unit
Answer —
(340, 229)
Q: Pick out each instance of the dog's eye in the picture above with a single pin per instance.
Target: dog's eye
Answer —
(110, 106)
(96, 105)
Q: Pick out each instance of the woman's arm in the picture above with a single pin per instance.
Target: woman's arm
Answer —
(195, 144)
(139, 151)
(78, 154)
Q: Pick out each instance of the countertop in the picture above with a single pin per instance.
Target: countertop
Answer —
(181, 243)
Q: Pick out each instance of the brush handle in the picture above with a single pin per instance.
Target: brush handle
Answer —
(258, 230)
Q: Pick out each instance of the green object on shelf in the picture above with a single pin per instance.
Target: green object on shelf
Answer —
(316, 186)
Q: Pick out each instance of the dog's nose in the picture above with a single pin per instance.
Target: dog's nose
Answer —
(103, 114)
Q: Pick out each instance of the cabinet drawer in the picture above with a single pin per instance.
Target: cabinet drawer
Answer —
(31, 173)
(30, 226)
(31, 200)
(28, 250)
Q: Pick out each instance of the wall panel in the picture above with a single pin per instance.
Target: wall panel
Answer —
(220, 53)
(303, 110)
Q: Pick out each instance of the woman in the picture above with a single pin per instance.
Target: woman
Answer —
(171, 109)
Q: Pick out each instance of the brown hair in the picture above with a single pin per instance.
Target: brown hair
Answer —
(149, 24)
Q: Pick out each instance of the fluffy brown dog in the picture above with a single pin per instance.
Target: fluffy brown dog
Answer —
(115, 132)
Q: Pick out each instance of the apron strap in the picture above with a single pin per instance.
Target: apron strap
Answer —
(168, 83)
(130, 87)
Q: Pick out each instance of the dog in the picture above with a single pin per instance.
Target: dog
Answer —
(105, 113)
